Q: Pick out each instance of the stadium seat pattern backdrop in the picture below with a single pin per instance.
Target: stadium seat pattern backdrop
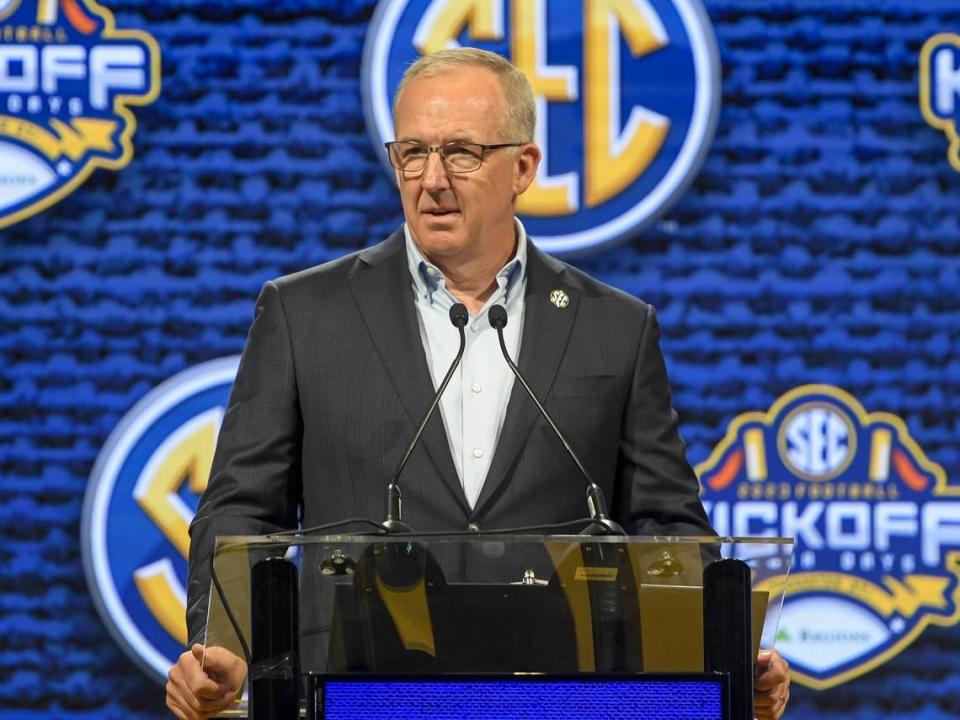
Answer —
(820, 243)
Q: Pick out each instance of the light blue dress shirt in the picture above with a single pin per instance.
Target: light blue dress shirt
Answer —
(475, 402)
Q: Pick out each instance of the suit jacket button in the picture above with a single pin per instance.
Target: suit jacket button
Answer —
(473, 527)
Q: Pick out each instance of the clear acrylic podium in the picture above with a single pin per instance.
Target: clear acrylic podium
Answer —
(338, 609)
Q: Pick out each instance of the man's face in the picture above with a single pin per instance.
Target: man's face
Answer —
(461, 217)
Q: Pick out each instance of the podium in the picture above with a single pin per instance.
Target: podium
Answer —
(506, 626)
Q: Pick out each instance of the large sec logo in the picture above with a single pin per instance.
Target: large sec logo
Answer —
(627, 96)
(142, 495)
(67, 79)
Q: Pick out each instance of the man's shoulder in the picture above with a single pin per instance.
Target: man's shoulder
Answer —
(594, 291)
(327, 275)
(335, 275)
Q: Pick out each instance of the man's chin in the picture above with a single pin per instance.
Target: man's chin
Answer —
(440, 243)
(440, 224)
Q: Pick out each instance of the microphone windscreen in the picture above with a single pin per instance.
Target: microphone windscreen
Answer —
(497, 316)
(459, 315)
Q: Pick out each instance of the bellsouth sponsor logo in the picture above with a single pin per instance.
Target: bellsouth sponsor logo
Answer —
(876, 523)
(141, 497)
(627, 95)
(68, 77)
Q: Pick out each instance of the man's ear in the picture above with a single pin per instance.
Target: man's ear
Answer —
(525, 166)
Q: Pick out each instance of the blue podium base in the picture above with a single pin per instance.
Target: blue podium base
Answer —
(650, 696)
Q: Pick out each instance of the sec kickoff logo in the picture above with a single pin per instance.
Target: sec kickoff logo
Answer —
(940, 89)
(877, 527)
(67, 79)
(627, 95)
(141, 497)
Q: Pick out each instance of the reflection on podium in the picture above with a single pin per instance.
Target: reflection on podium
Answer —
(380, 614)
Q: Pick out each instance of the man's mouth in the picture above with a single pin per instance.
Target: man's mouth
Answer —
(440, 212)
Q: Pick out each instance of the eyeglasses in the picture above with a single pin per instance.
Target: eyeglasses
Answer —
(457, 157)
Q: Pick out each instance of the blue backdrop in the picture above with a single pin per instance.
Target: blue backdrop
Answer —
(820, 243)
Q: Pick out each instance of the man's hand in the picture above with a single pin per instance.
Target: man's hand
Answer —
(197, 689)
(771, 685)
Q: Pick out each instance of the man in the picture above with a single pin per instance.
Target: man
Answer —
(342, 360)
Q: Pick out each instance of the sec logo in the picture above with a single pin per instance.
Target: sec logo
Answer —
(620, 142)
(817, 441)
(137, 509)
(67, 79)
(876, 526)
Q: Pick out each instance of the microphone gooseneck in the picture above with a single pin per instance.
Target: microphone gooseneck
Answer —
(393, 522)
(596, 504)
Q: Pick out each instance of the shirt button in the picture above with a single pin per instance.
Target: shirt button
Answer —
(476, 387)
(475, 327)
(477, 453)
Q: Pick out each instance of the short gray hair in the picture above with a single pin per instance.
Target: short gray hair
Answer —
(520, 120)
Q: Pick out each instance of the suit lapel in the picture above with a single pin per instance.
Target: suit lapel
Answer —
(379, 279)
(546, 331)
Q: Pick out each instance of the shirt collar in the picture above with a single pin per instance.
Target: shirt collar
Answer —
(430, 285)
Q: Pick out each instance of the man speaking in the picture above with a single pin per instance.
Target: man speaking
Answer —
(343, 359)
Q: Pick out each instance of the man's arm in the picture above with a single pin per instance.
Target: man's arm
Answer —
(255, 483)
(658, 492)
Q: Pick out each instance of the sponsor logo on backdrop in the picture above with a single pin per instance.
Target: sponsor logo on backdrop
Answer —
(68, 77)
(940, 89)
(877, 527)
(139, 502)
(627, 95)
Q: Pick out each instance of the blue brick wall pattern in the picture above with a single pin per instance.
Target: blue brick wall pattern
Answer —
(820, 243)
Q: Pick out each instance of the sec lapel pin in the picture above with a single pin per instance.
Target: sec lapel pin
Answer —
(559, 299)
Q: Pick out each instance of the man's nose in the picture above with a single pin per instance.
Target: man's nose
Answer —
(434, 173)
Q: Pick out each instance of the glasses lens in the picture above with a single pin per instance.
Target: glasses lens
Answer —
(408, 156)
(462, 157)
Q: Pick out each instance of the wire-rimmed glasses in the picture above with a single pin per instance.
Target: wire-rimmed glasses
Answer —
(457, 157)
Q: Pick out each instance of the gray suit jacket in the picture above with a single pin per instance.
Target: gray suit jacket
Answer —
(334, 380)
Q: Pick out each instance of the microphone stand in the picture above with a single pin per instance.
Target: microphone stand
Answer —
(393, 522)
(600, 521)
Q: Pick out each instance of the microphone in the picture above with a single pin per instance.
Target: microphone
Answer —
(596, 505)
(393, 523)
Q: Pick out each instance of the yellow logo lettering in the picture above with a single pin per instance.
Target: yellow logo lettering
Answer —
(185, 456)
(614, 158)
(444, 20)
(547, 195)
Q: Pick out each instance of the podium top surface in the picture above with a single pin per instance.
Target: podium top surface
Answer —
(371, 600)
